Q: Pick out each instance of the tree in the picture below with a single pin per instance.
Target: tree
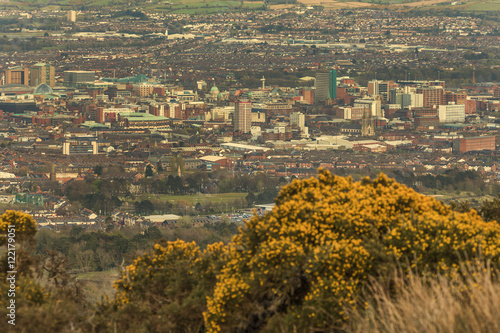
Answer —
(177, 165)
(144, 207)
(149, 171)
(98, 170)
(490, 209)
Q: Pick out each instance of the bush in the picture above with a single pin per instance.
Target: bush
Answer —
(299, 265)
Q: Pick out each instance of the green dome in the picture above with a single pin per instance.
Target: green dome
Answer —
(214, 89)
(43, 89)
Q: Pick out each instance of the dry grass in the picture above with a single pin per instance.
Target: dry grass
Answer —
(435, 306)
(423, 3)
(332, 4)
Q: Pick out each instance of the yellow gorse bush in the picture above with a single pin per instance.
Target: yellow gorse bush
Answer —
(309, 257)
(25, 226)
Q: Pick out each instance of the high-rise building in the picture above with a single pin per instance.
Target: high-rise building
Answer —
(322, 85)
(332, 93)
(17, 75)
(71, 16)
(433, 95)
(373, 87)
(42, 73)
(298, 119)
(326, 85)
(243, 117)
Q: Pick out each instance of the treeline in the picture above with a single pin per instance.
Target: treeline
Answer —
(90, 250)
(220, 181)
(101, 196)
(455, 78)
(450, 181)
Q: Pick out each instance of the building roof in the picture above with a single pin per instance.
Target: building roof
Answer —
(141, 117)
(43, 89)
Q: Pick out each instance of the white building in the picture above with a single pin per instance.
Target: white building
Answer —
(71, 16)
(452, 113)
(298, 119)
(412, 100)
(375, 105)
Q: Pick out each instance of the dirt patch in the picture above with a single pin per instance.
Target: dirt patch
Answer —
(281, 6)
(332, 4)
(424, 3)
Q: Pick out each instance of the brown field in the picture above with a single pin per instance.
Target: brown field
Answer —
(332, 4)
(423, 3)
(281, 6)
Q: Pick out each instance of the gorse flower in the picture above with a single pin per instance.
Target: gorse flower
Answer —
(311, 255)
(299, 266)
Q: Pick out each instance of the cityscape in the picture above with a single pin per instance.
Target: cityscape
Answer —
(187, 120)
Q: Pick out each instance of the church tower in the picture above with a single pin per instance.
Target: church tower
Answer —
(368, 123)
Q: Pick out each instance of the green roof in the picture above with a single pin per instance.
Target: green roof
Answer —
(141, 117)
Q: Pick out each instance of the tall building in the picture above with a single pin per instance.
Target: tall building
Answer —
(298, 119)
(373, 87)
(17, 75)
(243, 116)
(432, 95)
(42, 73)
(322, 85)
(71, 16)
(326, 85)
(332, 93)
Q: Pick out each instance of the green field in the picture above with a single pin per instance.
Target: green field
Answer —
(193, 199)
(483, 6)
(174, 6)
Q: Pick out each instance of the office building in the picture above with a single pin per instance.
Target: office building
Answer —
(432, 96)
(452, 113)
(332, 93)
(42, 73)
(326, 85)
(298, 119)
(322, 85)
(243, 117)
(72, 77)
(17, 75)
(477, 143)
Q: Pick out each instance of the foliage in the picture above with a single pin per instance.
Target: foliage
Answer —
(90, 251)
(24, 225)
(144, 207)
(298, 266)
(21, 239)
(97, 194)
(149, 171)
(490, 209)
(49, 303)
(165, 291)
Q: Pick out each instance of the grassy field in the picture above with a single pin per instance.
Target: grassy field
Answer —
(483, 6)
(175, 6)
(98, 284)
(193, 199)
